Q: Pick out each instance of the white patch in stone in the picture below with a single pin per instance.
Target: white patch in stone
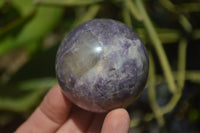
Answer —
(135, 54)
(98, 49)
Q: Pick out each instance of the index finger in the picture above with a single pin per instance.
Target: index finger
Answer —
(50, 115)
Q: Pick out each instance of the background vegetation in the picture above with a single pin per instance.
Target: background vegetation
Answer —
(31, 31)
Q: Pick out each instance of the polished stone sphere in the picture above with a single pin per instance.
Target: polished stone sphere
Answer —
(102, 65)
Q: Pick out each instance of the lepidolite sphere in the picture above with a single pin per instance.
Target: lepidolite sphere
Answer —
(101, 65)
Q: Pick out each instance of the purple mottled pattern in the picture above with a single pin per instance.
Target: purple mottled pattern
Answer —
(101, 65)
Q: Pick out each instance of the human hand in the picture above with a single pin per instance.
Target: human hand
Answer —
(56, 114)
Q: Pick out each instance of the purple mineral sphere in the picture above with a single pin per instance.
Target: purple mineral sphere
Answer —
(102, 65)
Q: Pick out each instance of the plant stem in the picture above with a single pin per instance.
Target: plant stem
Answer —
(87, 15)
(158, 47)
(185, 23)
(131, 6)
(67, 2)
(152, 92)
(181, 63)
(180, 76)
(126, 15)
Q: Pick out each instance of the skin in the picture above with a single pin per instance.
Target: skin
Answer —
(56, 114)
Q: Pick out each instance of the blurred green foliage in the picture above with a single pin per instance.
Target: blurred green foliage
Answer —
(31, 31)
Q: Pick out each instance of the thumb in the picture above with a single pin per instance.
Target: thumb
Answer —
(116, 121)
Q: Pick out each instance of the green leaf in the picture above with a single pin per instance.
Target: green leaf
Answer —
(37, 83)
(44, 21)
(23, 6)
(33, 47)
(67, 2)
(25, 94)
(15, 25)
(5, 44)
(2, 3)
(87, 15)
